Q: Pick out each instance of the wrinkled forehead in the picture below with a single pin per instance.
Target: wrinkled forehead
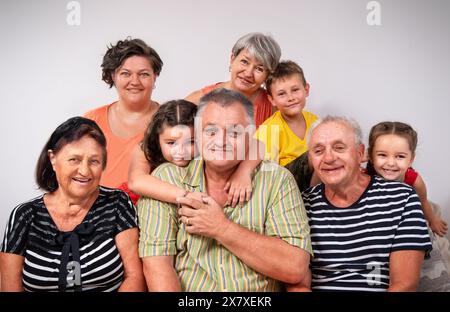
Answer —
(332, 133)
(228, 116)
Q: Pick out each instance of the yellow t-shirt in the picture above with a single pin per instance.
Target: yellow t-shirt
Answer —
(283, 145)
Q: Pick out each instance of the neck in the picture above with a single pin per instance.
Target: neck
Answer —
(296, 120)
(218, 176)
(71, 204)
(250, 95)
(345, 195)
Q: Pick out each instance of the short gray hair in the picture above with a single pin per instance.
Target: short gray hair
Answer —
(263, 47)
(350, 122)
(225, 98)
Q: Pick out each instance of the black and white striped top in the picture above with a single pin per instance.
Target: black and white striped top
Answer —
(31, 233)
(352, 245)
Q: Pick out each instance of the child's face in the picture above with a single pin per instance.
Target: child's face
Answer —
(392, 156)
(177, 144)
(289, 95)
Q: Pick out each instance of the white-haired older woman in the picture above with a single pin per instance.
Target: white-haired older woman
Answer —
(253, 57)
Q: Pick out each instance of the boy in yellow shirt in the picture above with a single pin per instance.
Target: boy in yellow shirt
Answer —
(284, 133)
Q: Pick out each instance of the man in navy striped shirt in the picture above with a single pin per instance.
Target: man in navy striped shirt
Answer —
(368, 234)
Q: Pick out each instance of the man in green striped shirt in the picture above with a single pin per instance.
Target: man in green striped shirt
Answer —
(207, 245)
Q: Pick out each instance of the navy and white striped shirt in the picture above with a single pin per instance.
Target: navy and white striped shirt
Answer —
(32, 233)
(352, 245)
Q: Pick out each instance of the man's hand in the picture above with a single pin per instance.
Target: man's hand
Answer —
(202, 216)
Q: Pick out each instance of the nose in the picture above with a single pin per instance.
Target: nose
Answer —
(290, 96)
(391, 161)
(135, 79)
(83, 168)
(328, 156)
(248, 71)
(178, 149)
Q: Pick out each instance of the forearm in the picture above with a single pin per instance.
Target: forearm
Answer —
(160, 275)
(402, 287)
(427, 210)
(150, 186)
(270, 256)
(133, 283)
(303, 286)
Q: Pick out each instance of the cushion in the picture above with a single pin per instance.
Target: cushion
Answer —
(435, 273)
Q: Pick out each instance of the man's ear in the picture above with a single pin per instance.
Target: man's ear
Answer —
(361, 152)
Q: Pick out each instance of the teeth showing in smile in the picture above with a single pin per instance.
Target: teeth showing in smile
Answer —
(390, 170)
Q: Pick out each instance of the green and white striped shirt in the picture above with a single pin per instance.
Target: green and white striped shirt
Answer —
(275, 209)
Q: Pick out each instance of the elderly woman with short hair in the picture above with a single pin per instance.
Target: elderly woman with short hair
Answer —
(78, 236)
(253, 57)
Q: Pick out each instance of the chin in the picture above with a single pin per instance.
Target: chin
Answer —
(181, 163)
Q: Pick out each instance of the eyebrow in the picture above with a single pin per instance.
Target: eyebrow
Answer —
(80, 156)
(139, 71)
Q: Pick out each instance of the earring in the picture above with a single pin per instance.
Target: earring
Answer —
(229, 69)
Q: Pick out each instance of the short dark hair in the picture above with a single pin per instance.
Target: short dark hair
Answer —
(225, 97)
(69, 131)
(117, 54)
(170, 114)
(283, 70)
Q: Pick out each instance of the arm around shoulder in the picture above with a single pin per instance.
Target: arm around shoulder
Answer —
(141, 182)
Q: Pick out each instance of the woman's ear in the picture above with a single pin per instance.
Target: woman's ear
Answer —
(51, 157)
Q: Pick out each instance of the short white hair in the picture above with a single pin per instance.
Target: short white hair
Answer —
(350, 122)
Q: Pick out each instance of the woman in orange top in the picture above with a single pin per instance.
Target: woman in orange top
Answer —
(131, 66)
(253, 57)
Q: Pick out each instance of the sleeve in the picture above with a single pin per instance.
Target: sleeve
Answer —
(158, 221)
(412, 231)
(286, 217)
(126, 216)
(17, 229)
(269, 134)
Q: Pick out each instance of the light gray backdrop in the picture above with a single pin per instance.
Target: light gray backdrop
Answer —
(399, 70)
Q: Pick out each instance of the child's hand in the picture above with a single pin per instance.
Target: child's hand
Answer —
(439, 226)
(239, 189)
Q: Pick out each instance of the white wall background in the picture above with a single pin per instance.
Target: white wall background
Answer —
(50, 71)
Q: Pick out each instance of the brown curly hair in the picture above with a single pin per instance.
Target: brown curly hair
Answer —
(117, 54)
